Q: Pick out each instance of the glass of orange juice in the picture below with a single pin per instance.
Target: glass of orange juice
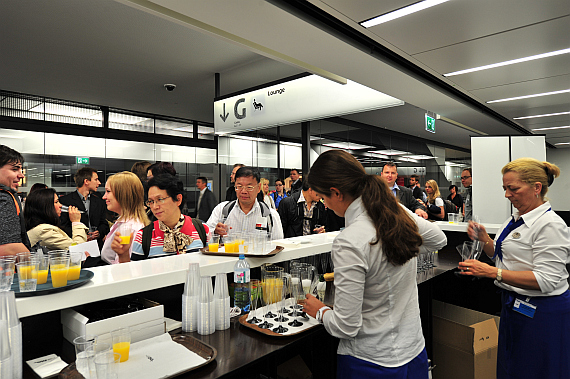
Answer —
(74, 266)
(122, 342)
(125, 231)
(214, 244)
(59, 267)
(43, 268)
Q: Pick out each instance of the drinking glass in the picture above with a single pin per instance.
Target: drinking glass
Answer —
(59, 267)
(27, 275)
(74, 270)
(107, 365)
(7, 268)
(81, 344)
(214, 244)
(125, 233)
(263, 293)
(282, 290)
(254, 293)
(298, 295)
(324, 262)
(122, 342)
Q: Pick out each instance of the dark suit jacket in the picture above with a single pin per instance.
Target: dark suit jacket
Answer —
(97, 213)
(231, 193)
(418, 193)
(296, 187)
(406, 197)
(292, 215)
(207, 204)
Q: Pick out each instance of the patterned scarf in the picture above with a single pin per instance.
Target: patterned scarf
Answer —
(174, 240)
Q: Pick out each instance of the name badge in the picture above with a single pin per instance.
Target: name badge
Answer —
(524, 308)
(261, 223)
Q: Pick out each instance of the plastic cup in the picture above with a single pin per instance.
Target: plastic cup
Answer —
(27, 275)
(7, 268)
(214, 244)
(122, 342)
(125, 232)
(59, 267)
(43, 268)
(92, 351)
(81, 344)
(107, 365)
(74, 266)
(24, 257)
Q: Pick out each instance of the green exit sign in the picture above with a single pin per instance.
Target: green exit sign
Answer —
(82, 160)
(430, 124)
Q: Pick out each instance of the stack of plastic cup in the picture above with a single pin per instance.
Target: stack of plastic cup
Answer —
(9, 314)
(190, 299)
(222, 302)
(5, 352)
(206, 307)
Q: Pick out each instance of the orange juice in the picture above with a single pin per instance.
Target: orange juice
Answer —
(73, 272)
(123, 349)
(42, 276)
(230, 247)
(25, 273)
(59, 276)
(213, 247)
(125, 240)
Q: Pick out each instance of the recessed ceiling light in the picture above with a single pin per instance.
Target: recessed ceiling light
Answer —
(542, 115)
(551, 128)
(421, 5)
(563, 143)
(529, 96)
(407, 160)
(390, 152)
(419, 157)
(506, 63)
(347, 145)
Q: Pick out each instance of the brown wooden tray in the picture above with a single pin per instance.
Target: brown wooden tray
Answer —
(269, 332)
(278, 249)
(196, 346)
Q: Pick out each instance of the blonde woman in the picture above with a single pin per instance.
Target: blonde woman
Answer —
(265, 189)
(124, 194)
(435, 203)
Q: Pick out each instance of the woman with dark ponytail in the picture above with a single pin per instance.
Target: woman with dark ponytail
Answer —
(376, 313)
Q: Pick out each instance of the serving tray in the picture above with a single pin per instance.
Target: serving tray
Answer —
(46, 288)
(308, 323)
(277, 249)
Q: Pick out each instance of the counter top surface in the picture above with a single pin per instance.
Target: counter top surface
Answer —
(462, 226)
(134, 277)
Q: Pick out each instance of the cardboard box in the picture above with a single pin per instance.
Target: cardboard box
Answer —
(145, 323)
(464, 343)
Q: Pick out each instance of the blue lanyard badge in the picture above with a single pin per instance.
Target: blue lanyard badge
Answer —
(524, 308)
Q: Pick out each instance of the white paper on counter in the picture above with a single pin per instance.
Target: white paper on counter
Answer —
(92, 247)
(47, 366)
(158, 357)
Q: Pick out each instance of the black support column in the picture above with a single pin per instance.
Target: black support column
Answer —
(306, 148)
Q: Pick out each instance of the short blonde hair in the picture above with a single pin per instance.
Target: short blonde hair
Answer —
(435, 193)
(532, 170)
(129, 192)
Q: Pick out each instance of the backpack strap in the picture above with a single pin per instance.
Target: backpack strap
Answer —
(201, 231)
(146, 238)
(227, 209)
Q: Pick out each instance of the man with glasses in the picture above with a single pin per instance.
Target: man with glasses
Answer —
(279, 193)
(467, 181)
(13, 237)
(246, 214)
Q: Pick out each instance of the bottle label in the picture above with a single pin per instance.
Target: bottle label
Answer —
(241, 276)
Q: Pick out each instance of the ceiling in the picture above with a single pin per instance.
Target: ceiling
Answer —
(121, 53)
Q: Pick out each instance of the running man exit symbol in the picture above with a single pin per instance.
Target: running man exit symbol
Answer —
(430, 124)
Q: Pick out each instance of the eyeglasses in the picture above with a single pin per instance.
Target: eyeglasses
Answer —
(465, 177)
(160, 200)
(247, 188)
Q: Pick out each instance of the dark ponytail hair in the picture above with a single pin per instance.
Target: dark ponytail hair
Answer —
(394, 227)
(40, 208)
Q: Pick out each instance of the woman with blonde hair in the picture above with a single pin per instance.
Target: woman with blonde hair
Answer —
(124, 195)
(435, 204)
(376, 313)
(265, 190)
(530, 252)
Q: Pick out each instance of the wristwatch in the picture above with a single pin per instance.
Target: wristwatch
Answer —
(499, 277)
(320, 313)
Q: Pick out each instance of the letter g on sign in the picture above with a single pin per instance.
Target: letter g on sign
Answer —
(239, 116)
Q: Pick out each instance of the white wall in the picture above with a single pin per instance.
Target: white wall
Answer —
(558, 194)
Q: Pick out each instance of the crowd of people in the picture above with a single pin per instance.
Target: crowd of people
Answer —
(376, 311)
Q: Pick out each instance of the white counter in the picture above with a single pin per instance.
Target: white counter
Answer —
(462, 227)
(134, 277)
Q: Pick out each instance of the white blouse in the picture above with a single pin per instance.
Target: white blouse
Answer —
(376, 313)
(540, 245)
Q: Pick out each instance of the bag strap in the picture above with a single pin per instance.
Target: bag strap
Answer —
(201, 231)
(146, 239)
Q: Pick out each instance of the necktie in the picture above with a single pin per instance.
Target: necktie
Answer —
(510, 227)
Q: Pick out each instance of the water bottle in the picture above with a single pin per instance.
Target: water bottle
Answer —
(241, 284)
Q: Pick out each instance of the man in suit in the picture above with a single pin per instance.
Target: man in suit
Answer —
(416, 189)
(87, 182)
(296, 183)
(206, 202)
(231, 191)
(404, 195)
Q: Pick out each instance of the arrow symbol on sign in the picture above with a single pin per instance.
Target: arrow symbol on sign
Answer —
(224, 115)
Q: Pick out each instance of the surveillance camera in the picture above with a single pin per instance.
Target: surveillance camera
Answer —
(170, 87)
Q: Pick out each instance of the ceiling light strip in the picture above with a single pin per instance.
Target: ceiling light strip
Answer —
(506, 63)
(551, 128)
(419, 6)
(529, 96)
(184, 20)
(542, 115)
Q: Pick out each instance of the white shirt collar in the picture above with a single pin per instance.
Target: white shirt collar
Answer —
(301, 198)
(532, 216)
(203, 190)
